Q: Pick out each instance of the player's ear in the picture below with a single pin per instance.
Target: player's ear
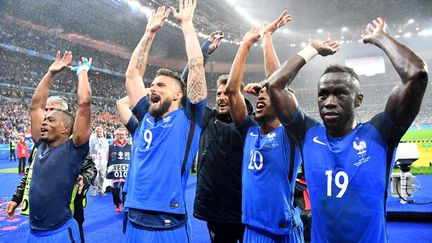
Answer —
(358, 100)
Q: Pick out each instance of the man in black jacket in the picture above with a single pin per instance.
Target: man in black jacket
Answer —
(218, 192)
(88, 170)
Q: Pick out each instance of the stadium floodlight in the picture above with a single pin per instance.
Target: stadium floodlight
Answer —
(344, 29)
(320, 31)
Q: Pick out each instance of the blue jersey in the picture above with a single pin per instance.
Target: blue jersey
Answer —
(268, 180)
(131, 126)
(347, 177)
(155, 182)
(55, 172)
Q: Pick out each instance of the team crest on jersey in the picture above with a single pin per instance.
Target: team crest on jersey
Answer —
(271, 140)
(360, 147)
(271, 136)
(361, 152)
(166, 122)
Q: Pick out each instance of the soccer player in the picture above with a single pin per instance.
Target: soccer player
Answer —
(167, 135)
(347, 164)
(88, 169)
(270, 158)
(54, 174)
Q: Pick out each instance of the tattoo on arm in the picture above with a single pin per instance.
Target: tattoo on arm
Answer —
(143, 52)
(196, 85)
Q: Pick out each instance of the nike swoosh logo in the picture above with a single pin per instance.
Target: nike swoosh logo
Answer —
(253, 134)
(315, 139)
(148, 120)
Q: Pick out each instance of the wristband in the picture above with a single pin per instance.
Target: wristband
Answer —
(84, 67)
(308, 53)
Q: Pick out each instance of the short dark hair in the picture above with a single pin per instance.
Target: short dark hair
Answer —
(70, 119)
(223, 79)
(336, 68)
(172, 74)
(175, 75)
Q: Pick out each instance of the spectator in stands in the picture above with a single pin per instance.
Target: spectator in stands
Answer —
(23, 153)
(99, 149)
(12, 149)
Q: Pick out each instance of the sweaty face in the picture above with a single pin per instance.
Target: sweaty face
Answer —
(336, 101)
(222, 102)
(263, 108)
(52, 126)
(164, 91)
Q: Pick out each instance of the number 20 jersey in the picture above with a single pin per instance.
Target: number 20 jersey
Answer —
(267, 193)
(347, 178)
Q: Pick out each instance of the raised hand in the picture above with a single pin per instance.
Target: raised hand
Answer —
(325, 48)
(253, 35)
(83, 65)
(283, 19)
(375, 31)
(158, 19)
(186, 10)
(215, 38)
(253, 88)
(59, 63)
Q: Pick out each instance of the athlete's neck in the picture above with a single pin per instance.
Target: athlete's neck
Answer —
(342, 130)
(269, 126)
(57, 142)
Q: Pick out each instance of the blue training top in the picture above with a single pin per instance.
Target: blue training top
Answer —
(55, 172)
(347, 177)
(267, 191)
(154, 181)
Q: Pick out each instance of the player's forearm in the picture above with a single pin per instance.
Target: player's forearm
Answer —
(40, 95)
(196, 83)
(193, 49)
(84, 93)
(271, 60)
(409, 66)
(138, 61)
(237, 71)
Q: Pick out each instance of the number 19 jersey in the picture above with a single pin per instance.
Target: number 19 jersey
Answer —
(347, 178)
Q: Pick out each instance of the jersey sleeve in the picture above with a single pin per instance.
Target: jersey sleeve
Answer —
(244, 127)
(298, 126)
(132, 124)
(197, 111)
(388, 129)
(141, 108)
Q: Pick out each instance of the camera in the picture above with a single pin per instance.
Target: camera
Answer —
(219, 35)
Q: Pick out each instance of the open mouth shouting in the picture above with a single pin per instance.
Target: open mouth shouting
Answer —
(259, 106)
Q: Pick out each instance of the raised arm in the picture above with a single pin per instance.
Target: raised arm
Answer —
(284, 101)
(209, 46)
(196, 84)
(271, 60)
(233, 88)
(40, 96)
(404, 101)
(81, 128)
(123, 108)
(138, 62)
